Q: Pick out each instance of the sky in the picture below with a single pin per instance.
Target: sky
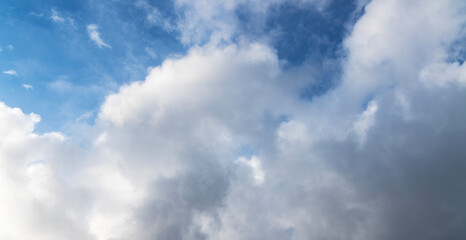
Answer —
(232, 119)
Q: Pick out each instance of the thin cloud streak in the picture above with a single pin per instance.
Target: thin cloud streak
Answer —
(94, 35)
(55, 18)
(27, 86)
(10, 72)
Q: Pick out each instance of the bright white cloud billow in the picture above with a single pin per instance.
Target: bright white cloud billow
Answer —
(94, 35)
(380, 156)
(35, 202)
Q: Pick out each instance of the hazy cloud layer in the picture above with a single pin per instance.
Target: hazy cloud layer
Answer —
(217, 144)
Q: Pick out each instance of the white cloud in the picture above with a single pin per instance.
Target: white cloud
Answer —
(255, 164)
(30, 189)
(10, 72)
(94, 35)
(10, 47)
(27, 87)
(442, 74)
(335, 169)
(196, 73)
(55, 17)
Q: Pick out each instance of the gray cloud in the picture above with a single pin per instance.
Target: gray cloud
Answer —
(180, 154)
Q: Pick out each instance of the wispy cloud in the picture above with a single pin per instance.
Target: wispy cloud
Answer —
(36, 14)
(155, 17)
(10, 72)
(151, 52)
(8, 47)
(27, 87)
(55, 18)
(61, 85)
(94, 35)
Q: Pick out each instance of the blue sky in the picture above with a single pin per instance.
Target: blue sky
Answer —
(70, 75)
(232, 119)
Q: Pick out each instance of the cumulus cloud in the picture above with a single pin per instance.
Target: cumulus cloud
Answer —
(94, 35)
(217, 144)
(10, 72)
(31, 189)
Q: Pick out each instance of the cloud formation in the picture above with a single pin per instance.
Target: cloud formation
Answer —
(218, 144)
(54, 17)
(57, 18)
(10, 72)
(94, 35)
(27, 86)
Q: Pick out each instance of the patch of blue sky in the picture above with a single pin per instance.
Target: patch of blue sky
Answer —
(269, 123)
(457, 51)
(306, 34)
(314, 36)
(246, 151)
(37, 162)
(302, 32)
(69, 74)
